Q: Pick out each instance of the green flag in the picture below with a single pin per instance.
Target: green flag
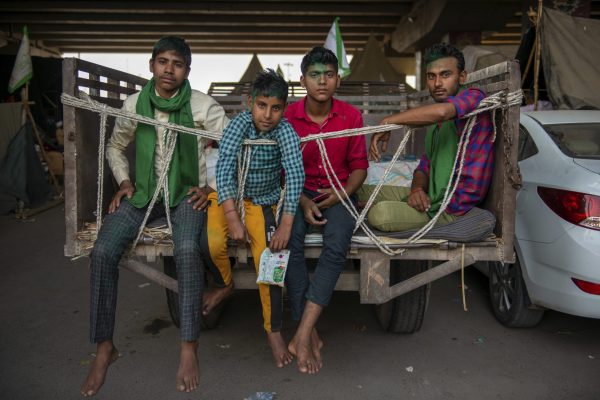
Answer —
(335, 43)
(23, 70)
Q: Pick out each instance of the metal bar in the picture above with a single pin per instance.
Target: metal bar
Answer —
(150, 273)
(430, 275)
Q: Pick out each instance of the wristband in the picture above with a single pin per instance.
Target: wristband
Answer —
(417, 189)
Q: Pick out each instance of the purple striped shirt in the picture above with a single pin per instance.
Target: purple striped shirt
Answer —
(479, 158)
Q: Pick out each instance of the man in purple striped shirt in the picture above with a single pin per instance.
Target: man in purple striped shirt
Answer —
(398, 209)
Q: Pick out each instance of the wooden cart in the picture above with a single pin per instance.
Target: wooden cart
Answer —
(400, 291)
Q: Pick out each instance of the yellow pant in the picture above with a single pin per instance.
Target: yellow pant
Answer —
(260, 225)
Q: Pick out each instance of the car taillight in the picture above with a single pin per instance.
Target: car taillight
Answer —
(588, 287)
(578, 208)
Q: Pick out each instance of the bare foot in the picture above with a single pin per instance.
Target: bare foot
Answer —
(302, 348)
(280, 352)
(187, 375)
(106, 354)
(214, 297)
(317, 345)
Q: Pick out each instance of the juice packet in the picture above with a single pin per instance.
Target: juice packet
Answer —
(272, 267)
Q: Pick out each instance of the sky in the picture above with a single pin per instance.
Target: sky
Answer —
(206, 68)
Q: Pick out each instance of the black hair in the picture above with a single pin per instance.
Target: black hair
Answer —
(443, 50)
(269, 83)
(318, 55)
(175, 44)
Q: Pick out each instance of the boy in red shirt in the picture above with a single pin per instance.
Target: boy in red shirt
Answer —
(319, 112)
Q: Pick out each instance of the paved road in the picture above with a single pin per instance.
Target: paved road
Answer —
(44, 352)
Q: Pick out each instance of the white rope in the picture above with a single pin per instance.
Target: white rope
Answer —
(492, 102)
(100, 192)
(498, 100)
(243, 168)
(373, 196)
(88, 103)
(170, 142)
(347, 203)
(159, 187)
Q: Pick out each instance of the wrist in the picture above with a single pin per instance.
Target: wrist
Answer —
(230, 213)
(286, 222)
(416, 189)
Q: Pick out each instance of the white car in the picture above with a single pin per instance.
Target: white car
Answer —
(557, 221)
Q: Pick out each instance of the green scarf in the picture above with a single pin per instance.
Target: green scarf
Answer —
(441, 143)
(183, 170)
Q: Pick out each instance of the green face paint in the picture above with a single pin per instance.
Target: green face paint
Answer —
(316, 71)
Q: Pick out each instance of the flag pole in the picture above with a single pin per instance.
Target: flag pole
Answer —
(25, 101)
(538, 50)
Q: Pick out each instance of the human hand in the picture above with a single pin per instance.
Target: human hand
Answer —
(235, 228)
(329, 201)
(281, 237)
(419, 200)
(126, 188)
(381, 139)
(199, 196)
(312, 214)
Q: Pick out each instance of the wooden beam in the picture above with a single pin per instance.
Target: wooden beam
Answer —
(150, 273)
(256, 8)
(116, 48)
(46, 30)
(196, 20)
(246, 41)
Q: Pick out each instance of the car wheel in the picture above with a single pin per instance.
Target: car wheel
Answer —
(509, 298)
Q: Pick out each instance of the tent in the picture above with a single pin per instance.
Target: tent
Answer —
(22, 177)
(243, 87)
(571, 60)
(253, 68)
(371, 65)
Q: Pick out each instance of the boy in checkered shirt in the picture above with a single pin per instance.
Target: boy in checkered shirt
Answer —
(261, 190)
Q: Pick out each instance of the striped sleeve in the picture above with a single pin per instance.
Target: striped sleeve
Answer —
(423, 165)
(466, 101)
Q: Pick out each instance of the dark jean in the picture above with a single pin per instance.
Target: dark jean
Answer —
(337, 234)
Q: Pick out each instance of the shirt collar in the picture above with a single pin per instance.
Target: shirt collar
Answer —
(174, 94)
(300, 112)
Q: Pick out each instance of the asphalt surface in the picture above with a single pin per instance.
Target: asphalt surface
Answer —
(45, 353)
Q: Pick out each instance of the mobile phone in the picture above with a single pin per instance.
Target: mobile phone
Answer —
(320, 197)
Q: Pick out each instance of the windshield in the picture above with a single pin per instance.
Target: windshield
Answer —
(576, 140)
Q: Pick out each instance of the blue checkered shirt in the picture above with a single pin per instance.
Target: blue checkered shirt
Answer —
(263, 185)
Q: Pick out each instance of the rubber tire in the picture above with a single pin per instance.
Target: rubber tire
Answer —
(405, 314)
(208, 322)
(508, 296)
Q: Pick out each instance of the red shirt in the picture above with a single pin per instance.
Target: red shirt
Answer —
(346, 154)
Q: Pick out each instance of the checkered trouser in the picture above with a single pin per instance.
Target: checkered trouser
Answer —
(117, 231)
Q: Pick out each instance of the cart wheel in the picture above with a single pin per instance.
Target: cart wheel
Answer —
(208, 322)
(405, 313)
(509, 298)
